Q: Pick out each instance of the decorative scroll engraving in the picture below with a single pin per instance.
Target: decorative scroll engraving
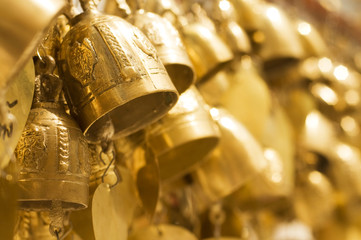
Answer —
(31, 148)
(152, 31)
(82, 59)
(63, 146)
(143, 44)
(83, 156)
(128, 69)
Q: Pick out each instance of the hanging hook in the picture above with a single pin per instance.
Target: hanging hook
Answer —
(118, 176)
(57, 235)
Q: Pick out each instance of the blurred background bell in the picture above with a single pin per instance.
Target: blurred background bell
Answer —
(184, 136)
(115, 83)
(237, 159)
(170, 49)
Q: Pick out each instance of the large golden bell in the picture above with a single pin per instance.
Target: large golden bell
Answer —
(52, 153)
(184, 136)
(170, 49)
(23, 24)
(114, 81)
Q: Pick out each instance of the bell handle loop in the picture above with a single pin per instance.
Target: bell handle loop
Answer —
(87, 5)
(117, 174)
(45, 64)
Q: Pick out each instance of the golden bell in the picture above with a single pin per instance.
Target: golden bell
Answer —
(241, 92)
(184, 136)
(276, 48)
(313, 201)
(52, 153)
(114, 81)
(207, 51)
(311, 39)
(249, 14)
(225, 16)
(237, 158)
(24, 24)
(170, 49)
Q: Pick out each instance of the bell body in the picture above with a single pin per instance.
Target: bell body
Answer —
(24, 24)
(52, 155)
(170, 49)
(184, 136)
(114, 81)
(237, 159)
(207, 51)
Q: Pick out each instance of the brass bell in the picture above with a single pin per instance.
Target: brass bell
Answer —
(184, 136)
(311, 39)
(207, 51)
(224, 16)
(237, 159)
(275, 48)
(114, 82)
(170, 49)
(26, 23)
(52, 153)
(243, 92)
(313, 200)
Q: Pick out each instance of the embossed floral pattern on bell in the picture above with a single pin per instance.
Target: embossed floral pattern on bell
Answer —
(52, 153)
(114, 81)
(170, 49)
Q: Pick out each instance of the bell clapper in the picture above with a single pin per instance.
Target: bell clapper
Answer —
(217, 217)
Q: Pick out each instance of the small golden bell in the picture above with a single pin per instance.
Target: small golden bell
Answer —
(52, 153)
(170, 49)
(184, 136)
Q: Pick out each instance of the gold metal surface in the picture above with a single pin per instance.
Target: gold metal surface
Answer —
(311, 39)
(140, 158)
(113, 208)
(162, 232)
(23, 24)
(225, 17)
(8, 205)
(249, 13)
(114, 81)
(184, 136)
(206, 49)
(102, 167)
(223, 238)
(277, 48)
(35, 226)
(147, 178)
(237, 159)
(169, 46)
(313, 199)
(18, 99)
(52, 154)
(244, 93)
